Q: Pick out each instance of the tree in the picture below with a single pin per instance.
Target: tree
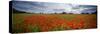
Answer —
(63, 12)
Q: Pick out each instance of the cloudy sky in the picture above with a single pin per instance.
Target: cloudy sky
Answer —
(47, 7)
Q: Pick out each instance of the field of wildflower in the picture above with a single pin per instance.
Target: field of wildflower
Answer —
(23, 23)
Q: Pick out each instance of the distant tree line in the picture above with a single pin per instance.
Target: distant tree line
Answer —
(81, 13)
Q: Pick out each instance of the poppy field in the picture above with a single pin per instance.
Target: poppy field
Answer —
(23, 23)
